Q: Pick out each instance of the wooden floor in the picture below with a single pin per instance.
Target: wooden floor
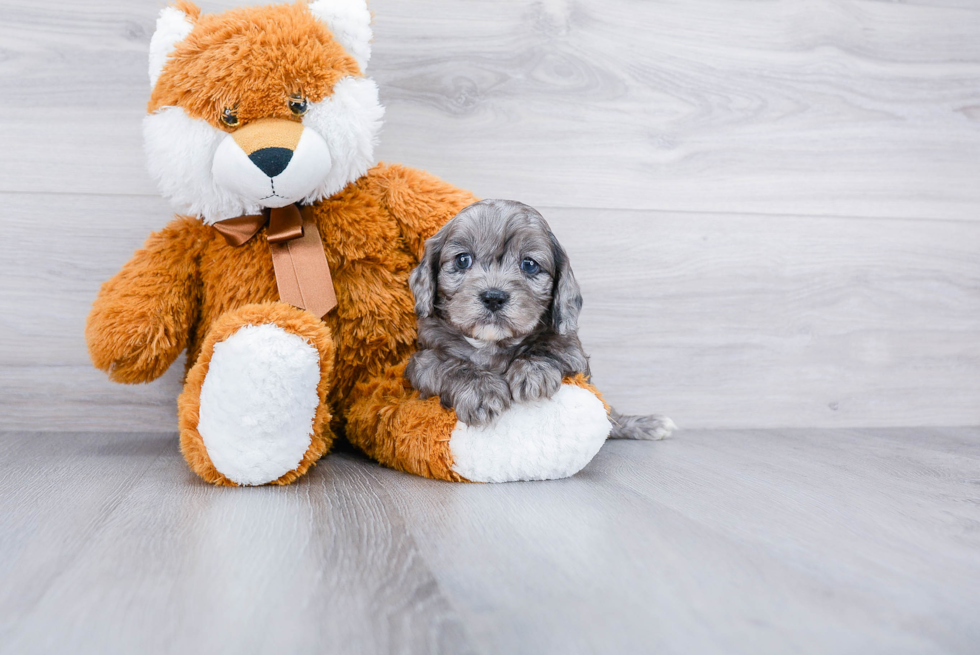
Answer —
(773, 209)
(771, 541)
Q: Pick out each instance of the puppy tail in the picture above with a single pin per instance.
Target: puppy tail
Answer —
(652, 427)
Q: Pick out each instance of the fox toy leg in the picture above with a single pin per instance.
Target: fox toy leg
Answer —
(253, 410)
(391, 424)
(544, 440)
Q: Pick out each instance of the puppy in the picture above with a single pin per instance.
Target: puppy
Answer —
(498, 308)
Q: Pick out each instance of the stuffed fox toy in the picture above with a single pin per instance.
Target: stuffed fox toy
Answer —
(285, 274)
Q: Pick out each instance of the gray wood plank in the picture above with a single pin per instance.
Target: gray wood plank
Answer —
(152, 560)
(720, 542)
(46, 520)
(53, 398)
(780, 321)
(716, 320)
(727, 541)
(821, 108)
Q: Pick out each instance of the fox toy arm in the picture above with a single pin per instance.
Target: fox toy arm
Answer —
(422, 203)
(142, 317)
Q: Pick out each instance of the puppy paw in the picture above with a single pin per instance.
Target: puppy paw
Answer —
(481, 401)
(657, 427)
(533, 378)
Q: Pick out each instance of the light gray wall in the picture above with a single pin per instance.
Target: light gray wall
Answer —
(772, 206)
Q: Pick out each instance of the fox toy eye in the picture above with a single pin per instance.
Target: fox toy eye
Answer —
(229, 117)
(298, 104)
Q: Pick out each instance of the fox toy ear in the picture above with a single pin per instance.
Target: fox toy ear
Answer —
(350, 23)
(173, 25)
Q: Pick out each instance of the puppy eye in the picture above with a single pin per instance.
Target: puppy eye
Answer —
(529, 266)
(229, 117)
(464, 261)
(298, 104)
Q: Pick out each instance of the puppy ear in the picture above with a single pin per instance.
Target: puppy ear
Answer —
(566, 297)
(350, 23)
(423, 280)
(173, 25)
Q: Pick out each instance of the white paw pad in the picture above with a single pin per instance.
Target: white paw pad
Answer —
(258, 402)
(544, 440)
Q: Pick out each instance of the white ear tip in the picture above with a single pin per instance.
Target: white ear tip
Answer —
(350, 23)
(173, 26)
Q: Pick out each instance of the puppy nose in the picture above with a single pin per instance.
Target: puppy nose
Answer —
(271, 161)
(494, 299)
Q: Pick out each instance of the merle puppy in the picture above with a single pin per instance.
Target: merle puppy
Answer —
(498, 309)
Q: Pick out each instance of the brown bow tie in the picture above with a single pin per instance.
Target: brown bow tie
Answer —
(302, 272)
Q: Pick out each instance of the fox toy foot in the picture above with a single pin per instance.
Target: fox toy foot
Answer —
(540, 440)
(543, 440)
(253, 409)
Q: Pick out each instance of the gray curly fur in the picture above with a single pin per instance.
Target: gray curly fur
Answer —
(477, 360)
(653, 427)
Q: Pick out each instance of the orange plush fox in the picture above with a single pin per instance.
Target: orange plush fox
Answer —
(285, 277)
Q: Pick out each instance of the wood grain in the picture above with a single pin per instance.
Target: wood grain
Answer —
(726, 541)
(854, 108)
(772, 209)
(157, 561)
(761, 541)
(728, 321)
(772, 206)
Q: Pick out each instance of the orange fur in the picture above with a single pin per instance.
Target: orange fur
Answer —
(192, 10)
(580, 380)
(184, 287)
(252, 59)
(290, 319)
(398, 429)
(188, 289)
(144, 316)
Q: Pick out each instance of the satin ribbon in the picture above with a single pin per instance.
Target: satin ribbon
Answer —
(302, 271)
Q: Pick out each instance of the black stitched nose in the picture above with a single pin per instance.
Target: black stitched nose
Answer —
(271, 161)
(494, 299)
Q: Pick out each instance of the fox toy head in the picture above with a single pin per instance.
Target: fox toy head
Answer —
(261, 106)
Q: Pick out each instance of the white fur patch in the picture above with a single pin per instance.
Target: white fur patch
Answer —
(350, 23)
(258, 402)
(544, 440)
(181, 151)
(490, 333)
(179, 155)
(173, 26)
(309, 165)
(349, 121)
